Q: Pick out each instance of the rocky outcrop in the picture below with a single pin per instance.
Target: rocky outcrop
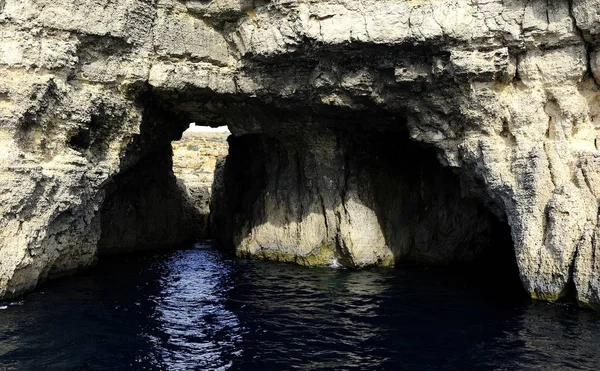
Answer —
(195, 158)
(505, 92)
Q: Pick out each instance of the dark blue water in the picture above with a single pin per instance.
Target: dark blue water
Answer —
(196, 309)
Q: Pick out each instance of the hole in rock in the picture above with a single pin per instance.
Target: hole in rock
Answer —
(163, 199)
(81, 140)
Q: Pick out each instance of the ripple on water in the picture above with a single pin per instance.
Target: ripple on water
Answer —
(199, 310)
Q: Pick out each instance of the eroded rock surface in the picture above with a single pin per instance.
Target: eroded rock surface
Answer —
(505, 92)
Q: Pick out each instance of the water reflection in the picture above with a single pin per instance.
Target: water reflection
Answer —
(317, 318)
(565, 338)
(198, 310)
(194, 327)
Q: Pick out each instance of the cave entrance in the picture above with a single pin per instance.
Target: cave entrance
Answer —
(356, 198)
(163, 198)
(195, 158)
(327, 189)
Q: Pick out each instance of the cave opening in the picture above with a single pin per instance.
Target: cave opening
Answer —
(339, 194)
(357, 199)
(196, 156)
(161, 200)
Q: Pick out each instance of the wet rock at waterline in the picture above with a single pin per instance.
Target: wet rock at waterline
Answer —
(505, 93)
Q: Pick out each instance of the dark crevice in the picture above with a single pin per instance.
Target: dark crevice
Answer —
(569, 293)
(496, 269)
(81, 140)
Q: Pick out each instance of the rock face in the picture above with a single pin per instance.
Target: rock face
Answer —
(327, 198)
(504, 92)
(195, 158)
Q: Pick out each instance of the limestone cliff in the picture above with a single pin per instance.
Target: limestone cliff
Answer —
(504, 91)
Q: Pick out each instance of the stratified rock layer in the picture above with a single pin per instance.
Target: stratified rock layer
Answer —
(505, 92)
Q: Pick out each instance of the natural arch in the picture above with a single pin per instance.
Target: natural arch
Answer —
(313, 187)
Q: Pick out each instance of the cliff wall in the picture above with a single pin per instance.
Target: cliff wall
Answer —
(505, 93)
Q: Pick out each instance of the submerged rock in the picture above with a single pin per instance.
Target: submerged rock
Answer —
(320, 98)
